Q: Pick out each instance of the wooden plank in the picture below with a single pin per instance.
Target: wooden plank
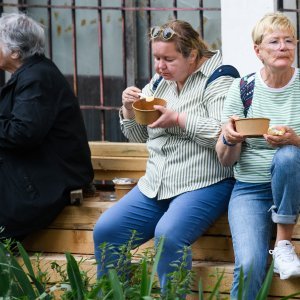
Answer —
(72, 231)
(206, 248)
(86, 264)
(207, 271)
(119, 163)
(111, 149)
(81, 242)
(60, 241)
(111, 174)
(210, 271)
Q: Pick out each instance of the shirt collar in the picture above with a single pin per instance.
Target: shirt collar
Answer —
(208, 67)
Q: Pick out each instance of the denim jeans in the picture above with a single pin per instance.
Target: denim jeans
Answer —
(252, 208)
(180, 220)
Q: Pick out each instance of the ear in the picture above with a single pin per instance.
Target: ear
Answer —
(193, 55)
(257, 51)
(15, 55)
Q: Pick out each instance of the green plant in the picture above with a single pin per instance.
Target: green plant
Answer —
(15, 283)
(22, 281)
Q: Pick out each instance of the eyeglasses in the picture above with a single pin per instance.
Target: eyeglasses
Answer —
(166, 33)
(275, 44)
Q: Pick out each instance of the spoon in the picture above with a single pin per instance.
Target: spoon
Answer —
(148, 98)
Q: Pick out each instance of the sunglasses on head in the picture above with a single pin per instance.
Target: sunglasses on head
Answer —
(166, 33)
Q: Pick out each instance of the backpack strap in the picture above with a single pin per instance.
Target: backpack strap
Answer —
(246, 90)
(156, 83)
(224, 70)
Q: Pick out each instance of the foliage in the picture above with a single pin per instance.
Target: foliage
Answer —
(124, 281)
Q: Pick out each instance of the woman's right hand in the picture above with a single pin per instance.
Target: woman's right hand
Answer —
(129, 96)
(229, 132)
(229, 144)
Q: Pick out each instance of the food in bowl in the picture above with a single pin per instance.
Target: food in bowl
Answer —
(144, 112)
(274, 131)
(252, 127)
(150, 98)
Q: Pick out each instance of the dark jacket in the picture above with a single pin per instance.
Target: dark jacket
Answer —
(44, 152)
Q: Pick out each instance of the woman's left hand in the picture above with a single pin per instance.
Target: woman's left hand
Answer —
(168, 118)
(288, 138)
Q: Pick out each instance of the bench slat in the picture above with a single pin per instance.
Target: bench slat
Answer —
(111, 149)
(110, 175)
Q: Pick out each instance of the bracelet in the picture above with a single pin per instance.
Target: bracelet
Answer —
(177, 119)
(227, 143)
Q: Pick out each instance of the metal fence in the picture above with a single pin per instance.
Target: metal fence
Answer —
(292, 9)
(102, 46)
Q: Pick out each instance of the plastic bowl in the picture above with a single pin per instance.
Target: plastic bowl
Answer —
(252, 127)
(123, 186)
(144, 112)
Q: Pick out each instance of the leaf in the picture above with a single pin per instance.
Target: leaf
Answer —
(145, 280)
(200, 290)
(241, 285)
(215, 291)
(115, 284)
(155, 264)
(19, 274)
(290, 296)
(75, 277)
(29, 267)
(264, 290)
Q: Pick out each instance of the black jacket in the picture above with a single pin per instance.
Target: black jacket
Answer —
(44, 152)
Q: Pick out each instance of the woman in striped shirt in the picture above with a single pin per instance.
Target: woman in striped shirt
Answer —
(266, 168)
(185, 188)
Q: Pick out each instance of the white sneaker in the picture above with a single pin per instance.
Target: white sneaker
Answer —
(286, 261)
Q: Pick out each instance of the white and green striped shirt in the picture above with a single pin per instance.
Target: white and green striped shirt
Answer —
(281, 105)
(184, 160)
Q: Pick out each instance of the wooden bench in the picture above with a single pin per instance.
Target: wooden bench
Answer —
(72, 230)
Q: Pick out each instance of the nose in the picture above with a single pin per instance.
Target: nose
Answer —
(161, 64)
(282, 45)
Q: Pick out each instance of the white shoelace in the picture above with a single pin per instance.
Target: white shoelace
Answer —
(285, 253)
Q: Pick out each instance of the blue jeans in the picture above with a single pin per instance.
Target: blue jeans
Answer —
(180, 220)
(250, 216)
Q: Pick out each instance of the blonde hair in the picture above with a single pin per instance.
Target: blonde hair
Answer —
(270, 23)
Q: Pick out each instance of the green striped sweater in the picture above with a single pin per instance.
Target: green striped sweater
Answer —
(281, 105)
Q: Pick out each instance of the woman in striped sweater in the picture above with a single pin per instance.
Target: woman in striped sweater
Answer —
(267, 168)
(185, 188)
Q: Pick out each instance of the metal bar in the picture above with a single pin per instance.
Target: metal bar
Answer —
(297, 10)
(102, 107)
(201, 20)
(280, 5)
(74, 46)
(149, 55)
(175, 11)
(23, 5)
(124, 52)
(49, 11)
(112, 7)
(298, 32)
(2, 73)
(99, 107)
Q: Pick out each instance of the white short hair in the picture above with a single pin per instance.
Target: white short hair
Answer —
(19, 33)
